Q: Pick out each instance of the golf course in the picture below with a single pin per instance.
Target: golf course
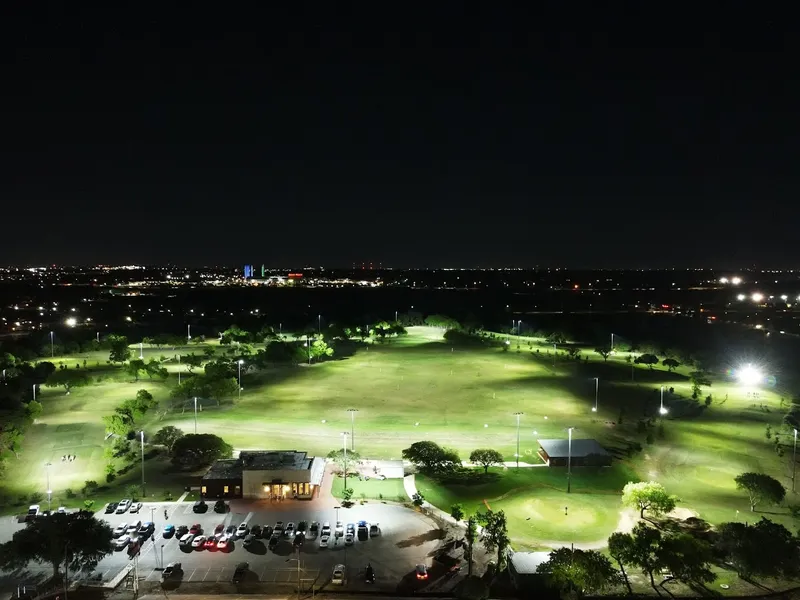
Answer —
(421, 387)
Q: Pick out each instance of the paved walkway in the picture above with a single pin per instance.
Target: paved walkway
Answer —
(507, 464)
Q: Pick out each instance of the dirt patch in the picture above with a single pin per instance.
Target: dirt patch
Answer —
(682, 513)
(418, 540)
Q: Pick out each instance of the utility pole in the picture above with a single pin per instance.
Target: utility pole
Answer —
(794, 459)
(518, 415)
(195, 415)
(142, 437)
(352, 412)
(344, 433)
(569, 460)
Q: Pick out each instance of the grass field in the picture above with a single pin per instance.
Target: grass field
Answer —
(374, 489)
(419, 388)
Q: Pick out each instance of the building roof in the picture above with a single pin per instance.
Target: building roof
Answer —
(274, 460)
(560, 448)
(227, 468)
(527, 563)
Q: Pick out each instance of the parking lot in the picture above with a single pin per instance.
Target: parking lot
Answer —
(406, 539)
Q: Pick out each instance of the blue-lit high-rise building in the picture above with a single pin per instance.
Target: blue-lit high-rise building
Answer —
(248, 271)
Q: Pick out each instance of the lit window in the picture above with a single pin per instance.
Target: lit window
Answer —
(203, 490)
(225, 489)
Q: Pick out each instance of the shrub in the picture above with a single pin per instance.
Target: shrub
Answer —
(35, 497)
(70, 493)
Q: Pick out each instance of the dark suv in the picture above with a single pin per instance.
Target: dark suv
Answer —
(200, 507)
(220, 506)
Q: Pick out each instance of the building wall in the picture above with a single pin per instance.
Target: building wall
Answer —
(253, 483)
(593, 460)
(221, 488)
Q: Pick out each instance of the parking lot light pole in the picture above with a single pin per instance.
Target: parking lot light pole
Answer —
(34, 391)
(195, 415)
(344, 446)
(352, 412)
(336, 508)
(794, 459)
(240, 363)
(596, 390)
(50, 492)
(518, 415)
(52, 350)
(569, 460)
(142, 438)
(179, 368)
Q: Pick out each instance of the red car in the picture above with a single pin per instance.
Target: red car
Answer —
(219, 529)
(195, 529)
(211, 543)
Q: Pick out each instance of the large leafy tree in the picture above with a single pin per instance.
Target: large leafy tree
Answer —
(11, 437)
(760, 487)
(78, 538)
(486, 457)
(579, 572)
(620, 547)
(431, 457)
(118, 351)
(193, 451)
(134, 367)
(671, 364)
(763, 549)
(154, 368)
(338, 457)
(319, 349)
(68, 379)
(604, 351)
(191, 361)
(687, 558)
(646, 359)
(644, 550)
(648, 496)
(167, 436)
(495, 533)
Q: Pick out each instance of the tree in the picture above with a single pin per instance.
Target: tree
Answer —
(320, 348)
(167, 436)
(645, 543)
(457, 511)
(78, 538)
(579, 571)
(222, 388)
(764, 549)
(486, 457)
(495, 533)
(671, 364)
(646, 359)
(338, 457)
(687, 558)
(196, 450)
(604, 351)
(191, 361)
(699, 379)
(648, 495)
(153, 368)
(431, 457)
(620, 547)
(760, 487)
(118, 348)
(347, 495)
(10, 440)
(134, 367)
(471, 535)
(68, 379)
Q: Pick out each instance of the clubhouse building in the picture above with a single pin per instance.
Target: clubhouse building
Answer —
(267, 474)
(582, 453)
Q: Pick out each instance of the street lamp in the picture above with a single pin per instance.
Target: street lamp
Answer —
(352, 412)
(662, 410)
(344, 446)
(612, 342)
(52, 351)
(50, 492)
(569, 459)
(34, 391)
(596, 390)
(395, 317)
(794, 458)
(319, 324)
(195, 415)
(554, 355)
(142, 438)
(518, 415)
(179, 368)
(749, 375)
(240, 362)
(188, 334)
(141, 350)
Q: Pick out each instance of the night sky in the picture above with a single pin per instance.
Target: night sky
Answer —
(602, 138)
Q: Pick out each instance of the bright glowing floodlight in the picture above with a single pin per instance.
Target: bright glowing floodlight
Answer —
(749, 375)
(663, 410)
(71, 322)
(757, 297)
(784, 297)
(723, 280)
(741, 297)
(736, 280)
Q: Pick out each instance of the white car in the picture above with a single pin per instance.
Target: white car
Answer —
(323, 540)
(374, 530)
(121, 542)
(134, 527)
(62, 510)
(349, 539)
(326, 528)
(199, 541)
(186, 539)
(338, 575)
(135, 507)
(123, 505)
(339, 531)
(120, 530)
(289, 531)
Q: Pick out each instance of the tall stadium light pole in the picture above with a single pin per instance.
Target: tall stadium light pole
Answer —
(794, 459)
(188, 334)
(141, 350)
(554, 355)
(98, 337)
(352, 412)
(344, 446)
(34, 391)
(49, 491)
(612, 342)
(240, 362)
(142, 438)
(179, 368)
(195, 415)
(662, 410)
(596, 390)
(395, 317)
(319, 324)
(518, 415)
(569, 459)
(52, 348)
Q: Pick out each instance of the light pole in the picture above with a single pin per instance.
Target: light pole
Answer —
(50, 492)
(34, 391)
(52, 351)
(240, 362)
(188, 334)
(179, 368)
(345, 434)
(352, 412)
(569, 459)
(612, 342)
(596, 390)
(554, 355)
(195, 415)
(395, 317)
(794, 458)
(319, 324)
(518, 415)
(142, 438)
(98, 337)
(662, 410)
(141, 351)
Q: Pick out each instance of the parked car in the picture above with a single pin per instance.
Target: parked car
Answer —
(123, 505)
(134, 527)
(351, 528)
(338, 575)
(230, 531)
(339, 530)
(256, 531)
(273, 542)
(181, 531)
(172, 570)
(278, 527)
(122, 541)
(349, 538)
(369, 574)
(374, 531)
(111, 507)
(422, 572)
(220, 528)
(200, 507)
(169, 531)
(195, 529)
(134, 547)
(324, 539)
(240, 572)
(220, 506)
(326, 528)
(242, 530)
(199, 541)
(62, 510)
(299, 539)
(211, 543)
(120, 530)
(224, 542)
(363, 531)
(302, 527)
(147, 528)
(266, 532)
(248, 540)
(135, 507)
(186, 540)
(313, 531)
(289, 531)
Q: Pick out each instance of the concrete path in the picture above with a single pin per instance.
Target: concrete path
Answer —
(507, 464)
